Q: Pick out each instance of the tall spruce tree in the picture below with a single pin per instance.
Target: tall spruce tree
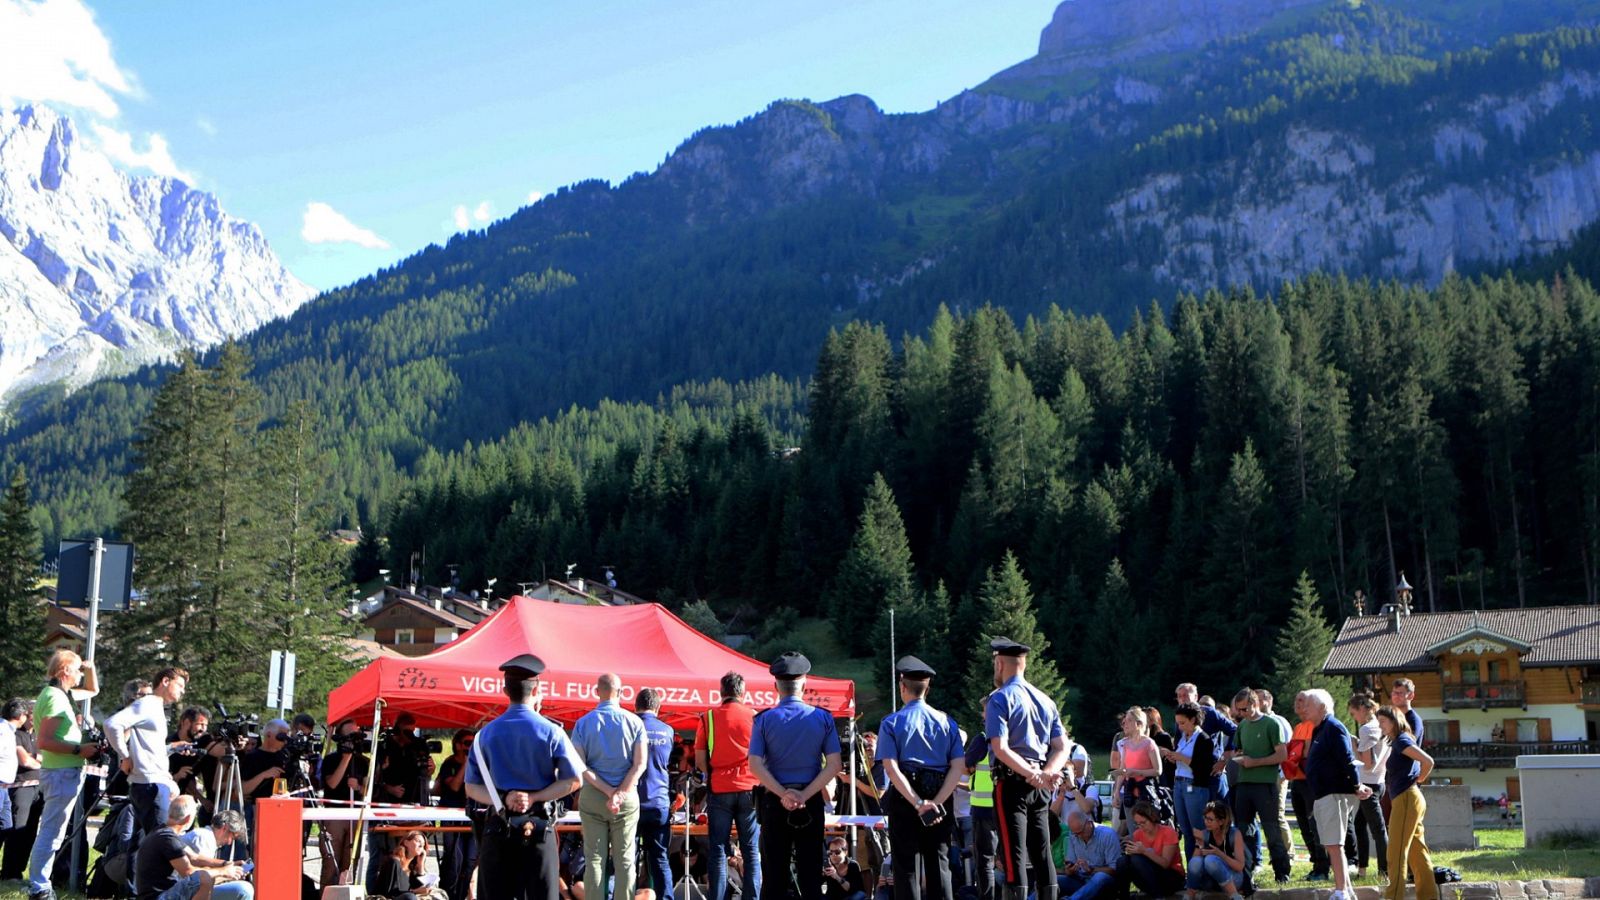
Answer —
(303, 593)
(21, 611)
(1302, 647)
(1005, 609)
(194, 512)
(876, 574)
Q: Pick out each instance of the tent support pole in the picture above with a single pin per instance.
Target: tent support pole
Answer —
(855, 789)
(358, 846)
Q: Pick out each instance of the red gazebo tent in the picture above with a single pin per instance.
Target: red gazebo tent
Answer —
(459, 685)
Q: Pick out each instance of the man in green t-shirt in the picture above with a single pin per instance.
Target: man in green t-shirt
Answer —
(1261, 746)
(72, 678)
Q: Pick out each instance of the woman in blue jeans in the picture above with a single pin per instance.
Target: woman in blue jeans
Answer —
(1193, 785)
(1218, 863)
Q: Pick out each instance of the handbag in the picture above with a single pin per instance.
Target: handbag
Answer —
(1293, 763)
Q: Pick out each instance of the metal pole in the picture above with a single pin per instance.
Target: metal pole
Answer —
(94, 608)
(855, 786)
(894, 695)
(88, 653)
(358, 850)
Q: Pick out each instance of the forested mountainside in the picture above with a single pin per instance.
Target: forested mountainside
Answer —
(1391, 140)
(1173, 482)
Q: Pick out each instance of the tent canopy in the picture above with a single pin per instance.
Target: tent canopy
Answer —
(458, 686)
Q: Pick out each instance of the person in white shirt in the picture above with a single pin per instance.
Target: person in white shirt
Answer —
(1372, 752)
(9, 759)
(139, 735)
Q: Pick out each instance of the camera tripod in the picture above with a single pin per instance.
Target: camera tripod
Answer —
(227, 789)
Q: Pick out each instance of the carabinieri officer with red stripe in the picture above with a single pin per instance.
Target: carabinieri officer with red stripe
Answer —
(1029, 748)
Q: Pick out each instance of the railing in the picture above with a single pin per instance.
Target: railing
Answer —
(1485, 755)
(1484, 696)
(1591, 693)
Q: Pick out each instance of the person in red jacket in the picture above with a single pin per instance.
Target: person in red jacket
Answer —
(722, 751)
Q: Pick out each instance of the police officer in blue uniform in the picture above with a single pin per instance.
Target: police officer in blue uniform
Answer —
(921, 751)
(1028, 749)
(794, 753)
(520, 765)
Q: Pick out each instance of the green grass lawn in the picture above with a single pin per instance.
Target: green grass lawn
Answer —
(1501, 856)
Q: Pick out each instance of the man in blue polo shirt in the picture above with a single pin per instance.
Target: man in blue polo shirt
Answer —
(520, 764)
(1028, 747)
(920, 748)
(655, 808)
(794, 753)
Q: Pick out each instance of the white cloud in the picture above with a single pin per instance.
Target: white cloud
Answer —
(535, 196)
(206, 127)
(52, 51)
(464, 218)
(323, 224)
(156, 157)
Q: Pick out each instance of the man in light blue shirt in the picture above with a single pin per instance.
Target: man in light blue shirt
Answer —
(612, 743)
(1093, 852)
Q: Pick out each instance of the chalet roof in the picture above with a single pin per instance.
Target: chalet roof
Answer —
(396, 597)
(1553, 636)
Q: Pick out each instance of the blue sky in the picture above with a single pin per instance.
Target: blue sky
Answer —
(377, 128)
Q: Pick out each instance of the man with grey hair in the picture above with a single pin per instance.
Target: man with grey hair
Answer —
(612, 744)
(1092, 855)
(165, 868)
(1334, 782)
(222, 844)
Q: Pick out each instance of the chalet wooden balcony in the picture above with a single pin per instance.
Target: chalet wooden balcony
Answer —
(1484, 755)
(1591, 693)
(1489, 695)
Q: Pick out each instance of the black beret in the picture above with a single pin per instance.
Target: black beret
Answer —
(911, 667)
(1007, 647)
(790, 665)
(521, 668)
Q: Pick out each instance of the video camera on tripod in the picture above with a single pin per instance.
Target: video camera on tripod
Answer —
(235, 728)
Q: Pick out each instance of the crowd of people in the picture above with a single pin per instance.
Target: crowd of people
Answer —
(1012, 810)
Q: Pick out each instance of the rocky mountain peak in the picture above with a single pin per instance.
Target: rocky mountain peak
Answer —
(101, 270)
(1095, 34)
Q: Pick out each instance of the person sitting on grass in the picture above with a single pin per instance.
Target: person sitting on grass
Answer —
(1218, 863)
(1151, 860)
(164, 869)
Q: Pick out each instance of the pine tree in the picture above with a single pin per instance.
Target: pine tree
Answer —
(21, 611)
(194, 512)
(303, 592)
(921, 629)
(367, 560)
(1302, 647)
(1005, 609)
(876, 574)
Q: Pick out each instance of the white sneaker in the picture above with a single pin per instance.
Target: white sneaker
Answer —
(1337, 895)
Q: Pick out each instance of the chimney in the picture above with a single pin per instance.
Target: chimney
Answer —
(1394, 617)
(438, 601)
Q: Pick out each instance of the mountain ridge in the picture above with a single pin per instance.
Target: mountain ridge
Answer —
(102, 271)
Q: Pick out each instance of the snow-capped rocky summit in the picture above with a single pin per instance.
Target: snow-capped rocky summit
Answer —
(101, 271)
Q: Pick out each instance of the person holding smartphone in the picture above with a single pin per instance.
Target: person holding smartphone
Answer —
(921, 751)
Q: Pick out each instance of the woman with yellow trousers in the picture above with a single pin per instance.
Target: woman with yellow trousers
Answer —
(1408, 765)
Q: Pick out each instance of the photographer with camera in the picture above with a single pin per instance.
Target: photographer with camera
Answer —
(72, 678)
(189, 759)
(405, 763)
(260, 766)
(344, 780)
(138, 733)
